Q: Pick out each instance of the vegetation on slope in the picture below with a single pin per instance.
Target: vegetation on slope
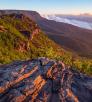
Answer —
(22, 39)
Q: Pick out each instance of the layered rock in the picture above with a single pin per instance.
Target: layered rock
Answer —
(2, 29)
(43, 80)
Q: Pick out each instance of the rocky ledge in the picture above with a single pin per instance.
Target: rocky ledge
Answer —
(43, 80)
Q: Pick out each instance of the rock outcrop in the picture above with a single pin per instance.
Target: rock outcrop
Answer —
(2, 29)
(43, 80)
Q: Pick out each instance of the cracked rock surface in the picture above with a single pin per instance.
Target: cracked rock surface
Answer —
(43, 80)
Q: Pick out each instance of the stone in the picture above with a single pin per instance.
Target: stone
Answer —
(23, 82)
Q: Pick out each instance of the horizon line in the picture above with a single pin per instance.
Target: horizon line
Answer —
(86, 13)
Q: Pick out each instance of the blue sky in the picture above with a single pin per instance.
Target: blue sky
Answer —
(50, 6)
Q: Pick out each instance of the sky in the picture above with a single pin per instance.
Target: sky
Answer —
(49, 6)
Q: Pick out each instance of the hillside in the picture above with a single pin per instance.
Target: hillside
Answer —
(22, 39)
(71, 38)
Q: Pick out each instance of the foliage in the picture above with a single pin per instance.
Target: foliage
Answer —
(14, 44)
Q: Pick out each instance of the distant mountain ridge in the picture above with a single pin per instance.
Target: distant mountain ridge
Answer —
(80, 21)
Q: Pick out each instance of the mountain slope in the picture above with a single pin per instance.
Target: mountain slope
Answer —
(73, 38)
(21, 38)
(70, 37)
